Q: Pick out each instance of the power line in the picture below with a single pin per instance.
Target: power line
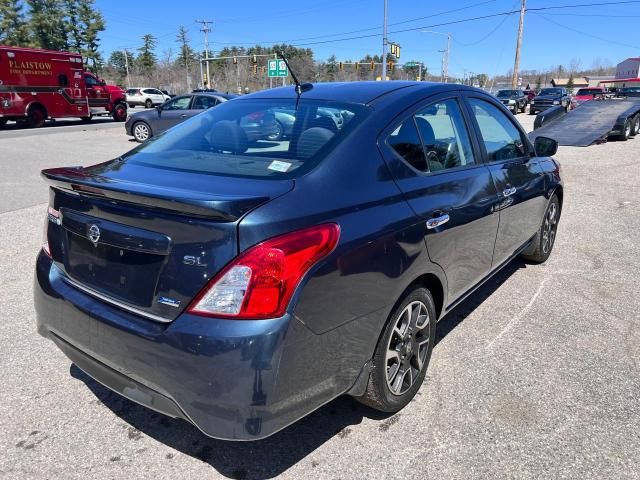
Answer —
(360, 30)
(602, 39)
(412, 29)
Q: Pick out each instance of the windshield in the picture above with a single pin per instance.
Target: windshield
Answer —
(551, 91)
(630, 90)
(253, 138)
(507, 93)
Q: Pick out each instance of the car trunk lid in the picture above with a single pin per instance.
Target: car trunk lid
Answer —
(147, 242)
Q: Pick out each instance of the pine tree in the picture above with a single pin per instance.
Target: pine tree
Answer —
(147, 59)
(13, 25)
(570, 84)
(47, 24)
(91, 23)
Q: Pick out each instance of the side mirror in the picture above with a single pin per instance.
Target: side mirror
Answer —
(159, 108)
(545, 146)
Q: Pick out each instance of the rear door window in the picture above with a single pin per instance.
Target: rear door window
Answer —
(405, 140)
(445, 136)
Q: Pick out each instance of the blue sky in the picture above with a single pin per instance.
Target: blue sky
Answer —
(552, 37)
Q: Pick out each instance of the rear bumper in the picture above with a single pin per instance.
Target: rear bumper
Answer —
(225, 377)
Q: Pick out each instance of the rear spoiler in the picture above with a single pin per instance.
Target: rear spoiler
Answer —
(226, 208)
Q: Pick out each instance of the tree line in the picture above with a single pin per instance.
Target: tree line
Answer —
(72, 25)
(237, 68)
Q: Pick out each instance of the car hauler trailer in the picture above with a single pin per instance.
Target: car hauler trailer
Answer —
(38, 84)
(592, 122)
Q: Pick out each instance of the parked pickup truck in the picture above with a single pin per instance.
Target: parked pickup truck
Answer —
(587, 94)
(513, 99)
(550, 97)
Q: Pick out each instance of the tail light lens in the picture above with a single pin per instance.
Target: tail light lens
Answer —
(261, 281)
(53, 215)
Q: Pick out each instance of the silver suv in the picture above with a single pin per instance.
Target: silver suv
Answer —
(147, 97)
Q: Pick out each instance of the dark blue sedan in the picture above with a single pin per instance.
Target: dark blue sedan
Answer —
(240, 284)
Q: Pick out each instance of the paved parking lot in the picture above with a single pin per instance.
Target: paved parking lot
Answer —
(535, 376)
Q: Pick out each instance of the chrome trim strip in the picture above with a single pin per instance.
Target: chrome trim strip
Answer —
(115, 303)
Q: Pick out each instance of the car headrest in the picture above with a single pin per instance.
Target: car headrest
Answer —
(227, 136)
(325, 122)
(312, 140)
(426, 131)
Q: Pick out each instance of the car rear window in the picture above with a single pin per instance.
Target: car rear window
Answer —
(254, 138)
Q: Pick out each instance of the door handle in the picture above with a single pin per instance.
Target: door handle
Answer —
(507, 192)
(437, 221)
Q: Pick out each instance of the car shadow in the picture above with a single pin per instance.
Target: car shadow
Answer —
(269, 457)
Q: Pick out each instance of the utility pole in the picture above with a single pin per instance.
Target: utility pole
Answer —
(384, 44)
(126, 66)
(206, 29)
(446, 65)
(442, 66)
(516, 64)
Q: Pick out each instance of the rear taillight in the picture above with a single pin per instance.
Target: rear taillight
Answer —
(53, 215)
(261, 281)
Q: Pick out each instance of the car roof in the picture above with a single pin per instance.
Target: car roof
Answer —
(358, 92)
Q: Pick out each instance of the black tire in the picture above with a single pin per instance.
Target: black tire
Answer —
(404, 362)
(36, 116)
(277, 136)
(545, 238)
(138, 130)
(119, 113)
(626, 130)
(87, 119)
(515, 109)
(3, 122)
(635, 125)
(531, 112)
(523, 108)
(148, 103)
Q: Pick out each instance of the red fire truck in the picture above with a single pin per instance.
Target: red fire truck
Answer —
(39, 84)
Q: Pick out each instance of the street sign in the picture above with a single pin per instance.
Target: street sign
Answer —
(277, 68)
(411, 64)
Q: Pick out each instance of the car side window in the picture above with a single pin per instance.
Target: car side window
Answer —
(406, 142)
(444, 135)
(180, 103)
(203, 102)
(502, 139)
(90, 81)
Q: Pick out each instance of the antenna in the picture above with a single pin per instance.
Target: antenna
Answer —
(300, 88)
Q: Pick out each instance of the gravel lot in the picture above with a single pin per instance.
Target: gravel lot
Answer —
(535, 376)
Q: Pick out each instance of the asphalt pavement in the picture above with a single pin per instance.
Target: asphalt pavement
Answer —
(535, 376)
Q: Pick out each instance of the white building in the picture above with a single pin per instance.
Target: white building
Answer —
(629, 68)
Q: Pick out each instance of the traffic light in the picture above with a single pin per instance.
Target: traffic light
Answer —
(340, 66)
(373, 65)
(235, 60)
(264, 69)
(205, 80)
(254, 59)
(255, 69)
(390, 67)
(397, 54)
(357, 67)
(393, 49)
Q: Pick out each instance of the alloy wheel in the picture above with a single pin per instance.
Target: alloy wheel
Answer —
(141, 132)
(408, 348)
(549, 228)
